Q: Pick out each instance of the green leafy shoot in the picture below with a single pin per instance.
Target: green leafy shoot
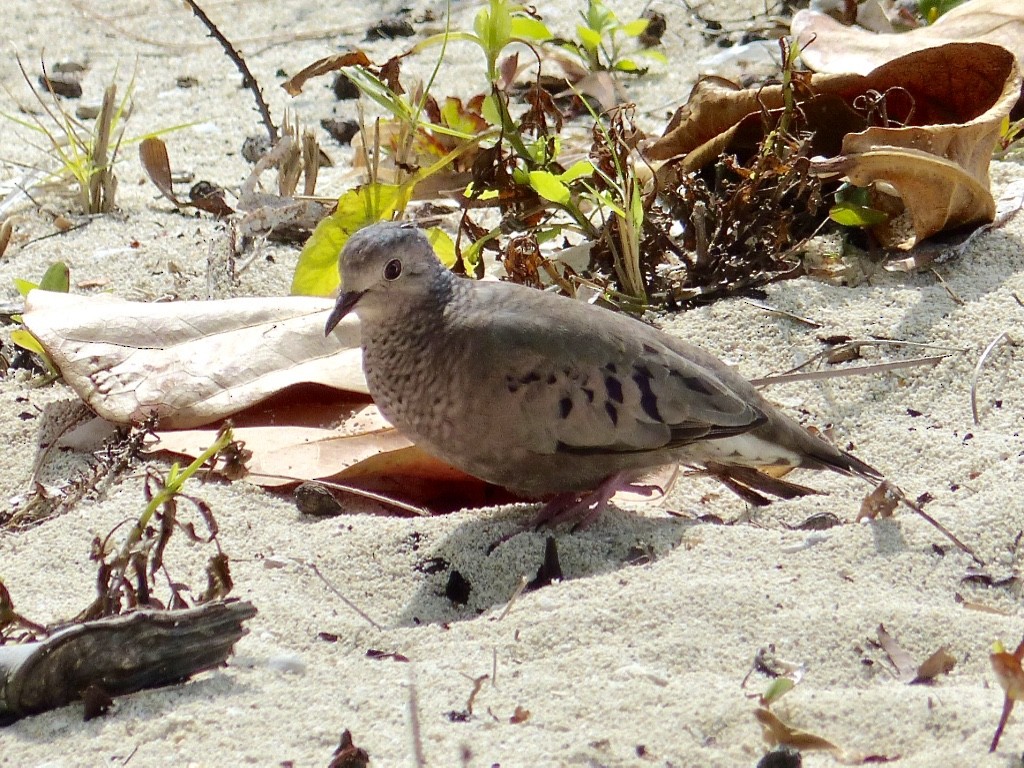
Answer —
(86, 155)
(57, 278)
(931, 10)
(600, 41)
(852, 208)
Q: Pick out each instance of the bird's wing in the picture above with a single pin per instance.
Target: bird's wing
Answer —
(587, 381)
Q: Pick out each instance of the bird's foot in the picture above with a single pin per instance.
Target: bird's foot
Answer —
(582, 509)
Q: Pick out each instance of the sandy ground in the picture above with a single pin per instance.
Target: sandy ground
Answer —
(620, 664)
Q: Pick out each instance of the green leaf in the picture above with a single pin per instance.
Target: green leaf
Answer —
(24, 286)
(590, 38)
(778, 688)
(489, 109)
(578, 170)
(527, 28)
(57, 278)
(316, 274)
(549, 187)
(626, 65)
(24, 339)
(443, 245)
(635, 28)
(853, 215)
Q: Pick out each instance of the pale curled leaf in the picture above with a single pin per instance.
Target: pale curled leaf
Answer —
(282, 455)
(826, 45)
(191, 363)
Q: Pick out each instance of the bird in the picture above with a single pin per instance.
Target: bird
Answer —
(552, 398)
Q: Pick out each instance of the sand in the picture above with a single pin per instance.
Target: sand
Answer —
(639, 656)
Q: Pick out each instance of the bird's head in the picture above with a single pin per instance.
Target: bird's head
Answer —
(383, 268)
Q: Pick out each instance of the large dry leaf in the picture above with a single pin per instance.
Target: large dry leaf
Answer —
(951, 100)
(191, 363)
(826, 45)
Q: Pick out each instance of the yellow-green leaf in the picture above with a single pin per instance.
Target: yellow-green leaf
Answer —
(590, 38)
(316, 274)
(24, 286)
(635, 28)
(853, 215)
(526, 28)
(24, 339)
(578, 170)
(489, 109)
(549, 187)
(443, 245)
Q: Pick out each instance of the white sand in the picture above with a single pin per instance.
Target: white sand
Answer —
(616, 656)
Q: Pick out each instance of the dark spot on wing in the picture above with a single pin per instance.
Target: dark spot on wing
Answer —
(531, 378)
(648, 401)
(694, 383)
(565, 407)
(511, 385)
(589, 393)
(552, 378)
(649, 349)
(614, 387)
(613, 413)
(611, 368)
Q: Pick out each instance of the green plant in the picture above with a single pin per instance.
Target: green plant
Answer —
(600, 41)
(86, 156)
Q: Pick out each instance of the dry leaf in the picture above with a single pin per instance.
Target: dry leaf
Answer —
(1007, 667)
(939, 663)
(191, 363)
(778, 733)
(321, 67)
(153, 156)
(951, 102)
(902, 661)
(826, 45)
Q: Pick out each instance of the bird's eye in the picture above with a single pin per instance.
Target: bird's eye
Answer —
(392, 269)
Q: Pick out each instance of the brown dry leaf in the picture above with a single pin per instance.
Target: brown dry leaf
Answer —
(778, 733)
(902, 661)
(949, 101)
(939, 663)
(191, 363)
(293, 85)
(1007, 667)
(154, 159)
(826, 45)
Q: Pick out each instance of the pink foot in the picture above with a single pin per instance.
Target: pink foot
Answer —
(584, 507)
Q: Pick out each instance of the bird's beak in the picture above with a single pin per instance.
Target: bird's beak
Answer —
(346, 302)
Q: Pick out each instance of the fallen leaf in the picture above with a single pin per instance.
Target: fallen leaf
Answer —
(1007, 667)
(948, 104)
(902, 661)
(939, 663)
(826, 45)
(193, 362)
(776, 732)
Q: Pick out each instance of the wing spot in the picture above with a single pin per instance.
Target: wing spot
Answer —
(611, 368)
(589, 393)
(552, 378)
(565, 407)
(695, 384)
(531, 378)
(648, 401)
(614, 387)
(613, 413)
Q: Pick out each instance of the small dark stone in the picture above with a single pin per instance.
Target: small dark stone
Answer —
(186, 81)
(656, 29)
(784, 757)
(342, 131)
(389, 29)
(344, 88)
(315, 500)
(255, 147)
(458, 588)
(66, 84)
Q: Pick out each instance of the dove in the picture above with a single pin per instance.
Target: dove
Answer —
(552, 398)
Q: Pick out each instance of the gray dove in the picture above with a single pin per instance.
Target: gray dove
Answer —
(553, 398)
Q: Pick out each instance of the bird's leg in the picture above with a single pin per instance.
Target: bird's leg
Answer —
(583, 508)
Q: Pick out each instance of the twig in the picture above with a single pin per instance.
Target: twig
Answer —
(910, 504)
(247, 77)
(977, 373)
(515, 596)
(414, 722)
(776, 311)
(345, 600)
(784, 378)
